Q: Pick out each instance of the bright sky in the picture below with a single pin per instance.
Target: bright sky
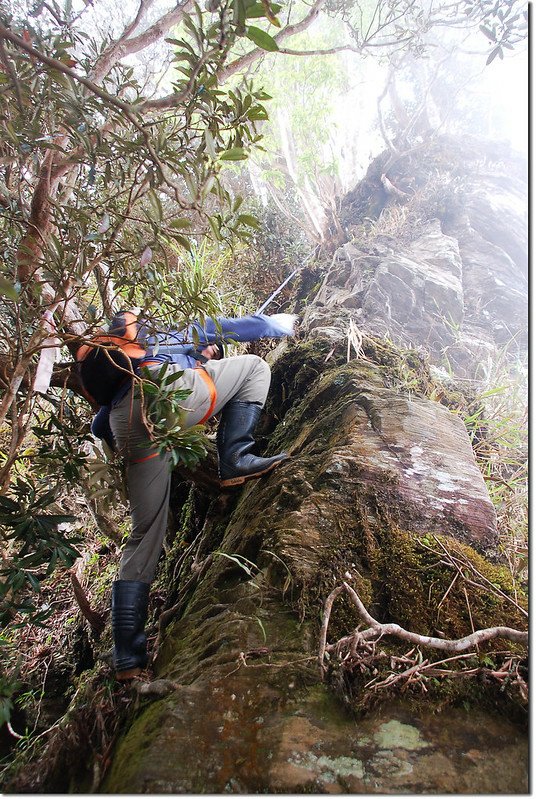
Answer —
(499, 90)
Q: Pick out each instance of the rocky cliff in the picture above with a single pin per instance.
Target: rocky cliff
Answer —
(382, 493)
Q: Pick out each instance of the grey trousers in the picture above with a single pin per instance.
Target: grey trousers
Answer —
(245, 378)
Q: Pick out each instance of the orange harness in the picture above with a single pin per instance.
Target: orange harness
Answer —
(129, 346)
(213, 394)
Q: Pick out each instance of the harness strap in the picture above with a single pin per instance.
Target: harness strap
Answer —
(147, 458)
(213, 394)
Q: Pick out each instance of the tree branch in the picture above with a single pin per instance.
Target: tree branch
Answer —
(125, 46)
(328, 51)
(96, 620)
(5, 33)
(39, 219)
(175, 99)
(244, 61)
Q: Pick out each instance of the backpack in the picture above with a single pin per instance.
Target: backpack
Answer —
(107, 361)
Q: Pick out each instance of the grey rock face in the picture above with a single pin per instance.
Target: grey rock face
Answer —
(457, 289)
(416, 295)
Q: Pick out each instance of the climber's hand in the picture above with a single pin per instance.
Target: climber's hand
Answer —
(287, 321)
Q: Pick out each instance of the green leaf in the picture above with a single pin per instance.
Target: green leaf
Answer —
(180, 224)
(489, 34)
(234, 154)
(215, 228)
(258, 10)
(8, 289)
(262, 39)
(156, 205)
(493, 391)
(247, 219)
(493, 55)
(241, 561)
(167, 381)
(183, 241)
(257, 112)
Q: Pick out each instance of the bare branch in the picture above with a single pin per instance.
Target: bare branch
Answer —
(124, 46)
(377, 630)
(143, 7)
(284, 210)
(19, 373)
(343, 48)
(5, 197)
(96, 620)
(176, 99)
(12, 75)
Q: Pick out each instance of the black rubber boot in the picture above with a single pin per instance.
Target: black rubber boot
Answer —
(130, 599)
(235, 442)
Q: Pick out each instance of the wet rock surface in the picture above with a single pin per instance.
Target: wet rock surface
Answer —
(410, 451)
(454, 281)
(245, 712)
(229, 736)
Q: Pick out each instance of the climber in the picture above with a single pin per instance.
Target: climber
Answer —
(236, 386)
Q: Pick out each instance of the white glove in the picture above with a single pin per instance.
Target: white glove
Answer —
(286, 321)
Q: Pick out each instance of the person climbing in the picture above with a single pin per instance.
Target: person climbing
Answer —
(235, 386)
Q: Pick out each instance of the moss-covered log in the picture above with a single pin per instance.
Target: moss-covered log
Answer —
(379, 486)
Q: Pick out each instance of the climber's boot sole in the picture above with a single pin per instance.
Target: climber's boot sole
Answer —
(238, 481)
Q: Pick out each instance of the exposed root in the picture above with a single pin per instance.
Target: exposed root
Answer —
(96, 620)
(359, 652)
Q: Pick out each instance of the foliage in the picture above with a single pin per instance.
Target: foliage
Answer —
(114, 193)
(503, 24)
(305, 112)
(388, 23)
(497, 424)
(37, 541)
(165, 413)
(97, 197)
(118, 170)
(58, 441)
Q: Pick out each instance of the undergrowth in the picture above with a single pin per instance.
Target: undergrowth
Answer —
(498, 427)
